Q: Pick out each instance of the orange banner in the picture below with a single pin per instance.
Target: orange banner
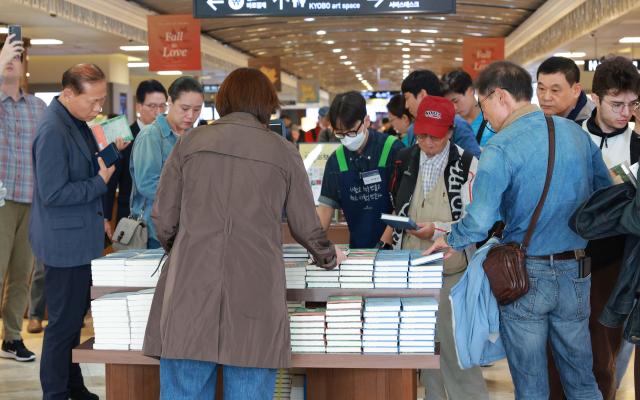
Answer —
(270, 66)
(477, 53)
(174, 43)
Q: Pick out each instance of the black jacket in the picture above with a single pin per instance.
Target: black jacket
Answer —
(608, 212)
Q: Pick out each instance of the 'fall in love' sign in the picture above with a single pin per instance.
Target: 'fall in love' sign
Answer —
(174, 43)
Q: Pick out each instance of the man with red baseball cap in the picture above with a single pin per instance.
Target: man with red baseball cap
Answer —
(432, 185)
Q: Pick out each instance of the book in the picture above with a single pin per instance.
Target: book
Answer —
(405, 314)
(356, 279)
(356, 285)
(345, 349)
(306, 324)
(380, 326)
(344, 331)
(343, 343)
(318, 336)
(356, 267)
(308, 349)
(303, 343)
(418, 320)
(379, 338)
(416, 338)
(399, 222)
(356, 273)
(334, 285)
(418, 259)
(386, 285)
(422, 285)
(382, 314)
(393, 350)
(344, 325)
(341, 338)
(625, 173)
(307, 331)
(347, 318)
(382, 304)
(344, 302)
(373, 320)
(107, 131)
(412, 349)
(353, 312)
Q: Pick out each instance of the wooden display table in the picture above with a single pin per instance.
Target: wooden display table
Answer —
(130, 375)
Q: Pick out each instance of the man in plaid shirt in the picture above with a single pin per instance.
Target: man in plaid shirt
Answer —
(19, 113)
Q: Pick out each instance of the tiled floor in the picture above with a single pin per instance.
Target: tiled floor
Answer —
(20, 381)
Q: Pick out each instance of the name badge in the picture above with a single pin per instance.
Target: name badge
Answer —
(371, 177)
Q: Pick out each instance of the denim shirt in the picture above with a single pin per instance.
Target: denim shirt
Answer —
(463, 136)
(510, 179)
(150, 150)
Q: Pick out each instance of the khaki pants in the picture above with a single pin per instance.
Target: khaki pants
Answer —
(16, 264)
(451, 382)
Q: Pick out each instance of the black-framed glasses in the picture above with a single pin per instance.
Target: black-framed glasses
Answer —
(480, 101)
(353, 133)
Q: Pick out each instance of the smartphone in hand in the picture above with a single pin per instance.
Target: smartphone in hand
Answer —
(17, 31)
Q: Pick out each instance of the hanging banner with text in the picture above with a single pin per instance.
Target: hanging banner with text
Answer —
(308, 91)
(313, 8)
(174, 43)
(478, 53)
(270, 66)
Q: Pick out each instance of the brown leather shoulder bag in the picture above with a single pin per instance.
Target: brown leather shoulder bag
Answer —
(505, 264)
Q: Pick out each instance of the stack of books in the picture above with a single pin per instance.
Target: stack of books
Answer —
(418, 325)
(356, 272)
(344, 324)
(139, 306)
(109, 270)
(282, 389)
(144, 269)
(308, 330)
(425, 272)
(297, 387)
(111, 322)
(391, 268)
(294, 251)
(295, 273)
(292, 305)
(381, 321)
(318, 277)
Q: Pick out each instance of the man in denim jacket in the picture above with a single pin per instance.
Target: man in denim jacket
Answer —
(510, 179)
(154, 144)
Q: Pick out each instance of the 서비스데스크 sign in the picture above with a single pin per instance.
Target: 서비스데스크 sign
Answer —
(311, 8)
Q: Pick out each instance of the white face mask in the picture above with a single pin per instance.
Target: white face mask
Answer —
(353, 143)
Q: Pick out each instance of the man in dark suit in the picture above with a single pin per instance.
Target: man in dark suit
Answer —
(151, 100)
(66, 226)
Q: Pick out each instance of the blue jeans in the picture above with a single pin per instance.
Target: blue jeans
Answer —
(191, 379)
(556, 308)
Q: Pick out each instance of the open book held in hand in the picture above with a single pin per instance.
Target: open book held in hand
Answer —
(625, 173)
(107, 131)
(398, 222)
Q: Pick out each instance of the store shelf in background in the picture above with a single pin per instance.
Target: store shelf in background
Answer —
(86, 354)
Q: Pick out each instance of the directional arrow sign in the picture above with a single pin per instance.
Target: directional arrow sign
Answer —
(312, 8)
(212, 4)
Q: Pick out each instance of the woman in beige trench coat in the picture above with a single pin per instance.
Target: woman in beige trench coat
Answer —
(221, 297)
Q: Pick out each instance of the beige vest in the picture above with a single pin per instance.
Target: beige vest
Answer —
(434, 207)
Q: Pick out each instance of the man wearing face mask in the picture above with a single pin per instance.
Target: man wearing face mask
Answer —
(356, 177)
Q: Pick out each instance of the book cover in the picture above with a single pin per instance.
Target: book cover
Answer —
(418, 259)
(398, 222)
(107, 131)
(625, 173)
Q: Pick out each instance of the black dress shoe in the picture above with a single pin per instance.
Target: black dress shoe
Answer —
(82, 393)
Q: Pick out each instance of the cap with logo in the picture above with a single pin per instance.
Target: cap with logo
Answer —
(435, 117)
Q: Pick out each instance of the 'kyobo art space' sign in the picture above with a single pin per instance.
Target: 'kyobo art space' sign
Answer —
(310, 8)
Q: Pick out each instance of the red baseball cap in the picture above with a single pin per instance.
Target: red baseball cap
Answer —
(435, 117)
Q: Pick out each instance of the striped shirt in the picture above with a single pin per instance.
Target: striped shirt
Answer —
(18, 122)
(432, 168)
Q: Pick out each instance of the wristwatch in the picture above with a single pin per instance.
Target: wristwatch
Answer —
(384, 246)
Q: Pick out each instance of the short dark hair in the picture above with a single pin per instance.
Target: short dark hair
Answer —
(147, 87)
(76, 76)
(347, 108)
(615, 75)
(248, 90)
(385, 120)
(184, 84)
(456, 81)
(421, 79)
(566, 66)
(396, 106)
(508, 76)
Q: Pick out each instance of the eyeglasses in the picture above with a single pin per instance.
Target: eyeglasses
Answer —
(353, 133)
(482, 100)
(424, 138)
(618, 106)
(154, 106)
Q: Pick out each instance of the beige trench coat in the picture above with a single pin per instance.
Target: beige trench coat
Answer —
(221, 296)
